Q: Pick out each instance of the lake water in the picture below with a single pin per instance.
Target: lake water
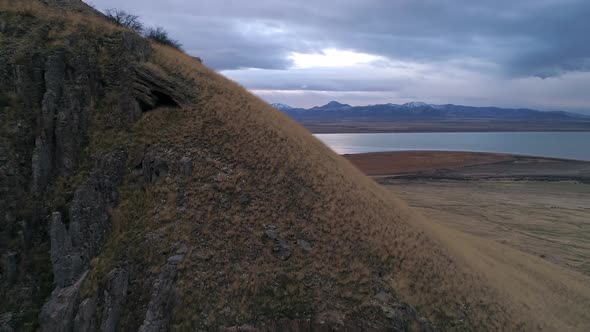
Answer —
(567, 145)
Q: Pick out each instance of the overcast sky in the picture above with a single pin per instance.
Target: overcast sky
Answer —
(514, 53)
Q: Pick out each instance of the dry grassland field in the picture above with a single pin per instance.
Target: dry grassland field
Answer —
(550, 220)
(524, 222)
(536, 205)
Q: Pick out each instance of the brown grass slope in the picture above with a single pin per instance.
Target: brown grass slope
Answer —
(254, 170)
(363, 240)
(560, 297)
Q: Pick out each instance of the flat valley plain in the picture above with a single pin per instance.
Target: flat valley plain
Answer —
(522, 223)
(538, 206)
(547, 219)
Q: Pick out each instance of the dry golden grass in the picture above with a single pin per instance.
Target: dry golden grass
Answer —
(560, 298)
(351, 220)
(355, 225)
(72, 19)
(34, 8)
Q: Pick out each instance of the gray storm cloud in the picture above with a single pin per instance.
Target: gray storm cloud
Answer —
(526, 37)
(505, 40)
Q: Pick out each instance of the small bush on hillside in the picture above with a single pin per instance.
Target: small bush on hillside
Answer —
(130, 21)
(125, 19)
(160, 35)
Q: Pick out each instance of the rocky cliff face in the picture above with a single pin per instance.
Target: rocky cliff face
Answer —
(59, 88)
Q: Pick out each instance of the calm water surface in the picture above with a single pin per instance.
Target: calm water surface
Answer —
(549, 144)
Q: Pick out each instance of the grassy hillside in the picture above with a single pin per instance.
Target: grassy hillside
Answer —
(363, 241)
(265, 223)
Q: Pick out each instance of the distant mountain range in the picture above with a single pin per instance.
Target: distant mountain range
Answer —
(419, 111)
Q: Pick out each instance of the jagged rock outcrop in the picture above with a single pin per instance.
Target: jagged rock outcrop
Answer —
(53, 97)
(152, 89)
(153, 168)
(89, 225)
(57, 315)
(66, 263)
(85, 319)
(49, 99)
(89, 218)
(159, 311)
(66, 312)
(114, 298)
(65, 110)
(73, 248)
(64, 118)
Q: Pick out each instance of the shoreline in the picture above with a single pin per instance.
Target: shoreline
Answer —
(464, 165)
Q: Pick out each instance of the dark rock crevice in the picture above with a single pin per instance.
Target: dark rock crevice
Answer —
(152, 90)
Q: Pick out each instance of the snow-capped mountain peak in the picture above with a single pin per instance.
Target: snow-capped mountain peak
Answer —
(281, 106)
(415, 104)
